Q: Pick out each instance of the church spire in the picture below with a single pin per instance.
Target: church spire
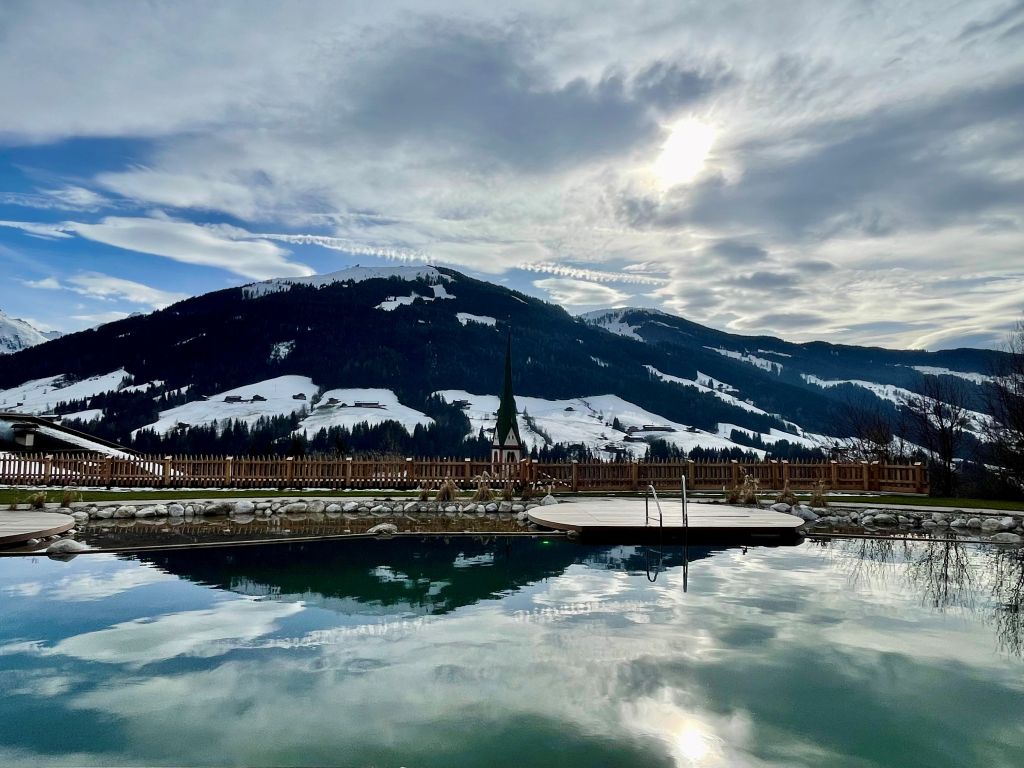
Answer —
(507, 444)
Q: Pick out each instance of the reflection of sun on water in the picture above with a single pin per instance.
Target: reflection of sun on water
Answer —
(692, 745)
(684, 153)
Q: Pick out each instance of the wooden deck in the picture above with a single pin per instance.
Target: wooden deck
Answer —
(623, 521)
(19, 526)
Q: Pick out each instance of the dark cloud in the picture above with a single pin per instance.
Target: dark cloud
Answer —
(472, 94)
(813, 265)
(788, 320)
(1012, 13)
(739, 252)
(765, 280)
(669, 86)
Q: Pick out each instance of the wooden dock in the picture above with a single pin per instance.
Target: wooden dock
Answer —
(17, 527)
(625, 521)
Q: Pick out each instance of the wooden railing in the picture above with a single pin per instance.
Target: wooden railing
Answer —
(96, 470)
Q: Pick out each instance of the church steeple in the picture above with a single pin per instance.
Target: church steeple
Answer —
(507, 445)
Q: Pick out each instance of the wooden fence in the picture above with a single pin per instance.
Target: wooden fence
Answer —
(70, 469)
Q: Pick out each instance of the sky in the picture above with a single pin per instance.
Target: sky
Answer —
(851, 171)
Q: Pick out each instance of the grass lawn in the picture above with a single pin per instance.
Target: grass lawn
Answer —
(21, 496)
(887, 500)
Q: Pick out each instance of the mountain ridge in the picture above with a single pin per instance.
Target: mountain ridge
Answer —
(419, 331)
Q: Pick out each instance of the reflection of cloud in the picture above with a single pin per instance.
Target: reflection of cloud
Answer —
(90, 586)
(715, 676)
(205, 633)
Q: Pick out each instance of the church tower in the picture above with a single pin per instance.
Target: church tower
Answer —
(507, 445)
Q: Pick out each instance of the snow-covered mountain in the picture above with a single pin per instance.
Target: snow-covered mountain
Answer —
(16, 334)
(422, 348)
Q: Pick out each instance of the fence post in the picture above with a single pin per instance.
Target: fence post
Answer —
(735, 472)
(834, 466)
(228, 466)
(165, 471)
(408, 470)
(47, 469)
(107, 470)
(634, 478)
(690, 472)
(289, 471)
(348, 472)
(575, 475)
(919, 486)
(865, 475)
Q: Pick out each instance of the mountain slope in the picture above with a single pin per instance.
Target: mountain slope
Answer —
(421, 336)
(17, 334)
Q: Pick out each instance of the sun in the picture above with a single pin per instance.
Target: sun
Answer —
(684, 153)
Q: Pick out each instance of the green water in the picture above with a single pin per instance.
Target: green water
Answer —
(516, 652)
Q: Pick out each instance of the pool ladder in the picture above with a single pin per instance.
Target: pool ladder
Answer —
(652, 573)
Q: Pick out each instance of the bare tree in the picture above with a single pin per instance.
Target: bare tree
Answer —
(876, 431)
(1005, 401)
(939, 417)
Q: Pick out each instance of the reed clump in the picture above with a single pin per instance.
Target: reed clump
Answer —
(483, 488)
(819, 496)
(448, 491)
(786, 496)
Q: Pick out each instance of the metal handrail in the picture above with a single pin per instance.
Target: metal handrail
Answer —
(686, 513)
(647, 507)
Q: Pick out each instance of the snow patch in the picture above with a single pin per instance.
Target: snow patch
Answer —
(710, 386)
(465, 317)
(350, 275)
(612, 322)
(86, 415)
(394, 302)
(600, 363)
(929, 370)
(759, 362)
(281, 350)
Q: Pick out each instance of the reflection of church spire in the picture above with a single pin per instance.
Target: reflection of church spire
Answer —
(507, 444)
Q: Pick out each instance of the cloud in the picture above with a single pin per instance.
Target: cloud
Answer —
(46, 284)
(101, 318)
(96, 285)
(520, 143)
(220, 246)
(574, 293)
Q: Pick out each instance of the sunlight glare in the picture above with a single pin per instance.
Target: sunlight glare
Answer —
(684, 153)
(692, 745)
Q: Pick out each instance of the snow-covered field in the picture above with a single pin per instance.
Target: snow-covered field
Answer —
(87, 415)
(929, 370)
(805, 439)
(345, 414)
(705, 383)
(584, 420)
(897, 396)
(279, 402)
(41, 395)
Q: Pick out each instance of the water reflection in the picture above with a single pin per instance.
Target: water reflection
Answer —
(512, 652)
(418, 576)
(945, 574)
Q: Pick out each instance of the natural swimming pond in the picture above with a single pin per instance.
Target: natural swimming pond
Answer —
(516, 651)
